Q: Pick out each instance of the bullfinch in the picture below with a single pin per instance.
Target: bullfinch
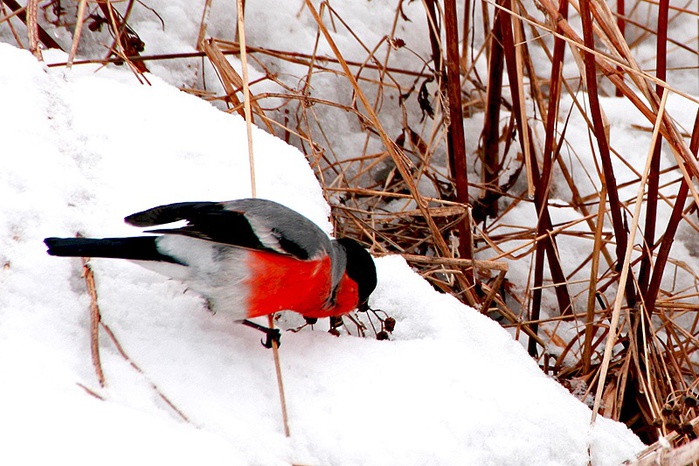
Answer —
(247, 258)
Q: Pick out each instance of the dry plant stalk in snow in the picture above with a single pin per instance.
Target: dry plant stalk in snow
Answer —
(453, 203)
(651, 378)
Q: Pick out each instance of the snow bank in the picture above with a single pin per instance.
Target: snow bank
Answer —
(81, 151)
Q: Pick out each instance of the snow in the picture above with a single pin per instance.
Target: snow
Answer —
(84, 149)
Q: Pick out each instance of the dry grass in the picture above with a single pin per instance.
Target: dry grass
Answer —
(452, 203)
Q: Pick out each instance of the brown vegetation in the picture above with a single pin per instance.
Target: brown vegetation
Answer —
(618, 324)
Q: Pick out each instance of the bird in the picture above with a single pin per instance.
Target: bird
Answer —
(246, 257)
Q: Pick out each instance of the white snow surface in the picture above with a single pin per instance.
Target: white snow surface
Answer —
(81, 150)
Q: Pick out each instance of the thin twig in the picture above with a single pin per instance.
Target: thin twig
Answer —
(95, 319)
(253, 185)
(136, 367)
(76, 33)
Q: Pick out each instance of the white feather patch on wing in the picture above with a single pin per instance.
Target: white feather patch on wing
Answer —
(265, 234)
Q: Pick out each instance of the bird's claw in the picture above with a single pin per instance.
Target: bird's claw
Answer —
(273, 336)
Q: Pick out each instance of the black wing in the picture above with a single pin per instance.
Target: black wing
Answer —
(249, 223)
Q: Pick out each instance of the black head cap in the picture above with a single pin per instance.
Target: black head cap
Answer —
(360, 268)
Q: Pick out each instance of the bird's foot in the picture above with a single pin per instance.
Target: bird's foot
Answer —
(272, 335)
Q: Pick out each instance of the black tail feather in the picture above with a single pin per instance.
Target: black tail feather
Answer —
(135, 248)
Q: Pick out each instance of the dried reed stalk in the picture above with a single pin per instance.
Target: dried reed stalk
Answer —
(203, 23)
(625, 272)
(456, 146)
(95, 319)
(95, 324)
(126, 41)
(77, 33)
(138, 369)
(231, 81)
(33, 28)
(247, 104)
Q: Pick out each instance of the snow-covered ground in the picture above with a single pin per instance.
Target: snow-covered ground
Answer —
(82, 150)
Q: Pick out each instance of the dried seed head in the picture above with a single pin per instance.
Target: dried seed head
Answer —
(686, 428)
(397, 43)
(667, 409)
(389, 324)
(690, 401)
(382, 335)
